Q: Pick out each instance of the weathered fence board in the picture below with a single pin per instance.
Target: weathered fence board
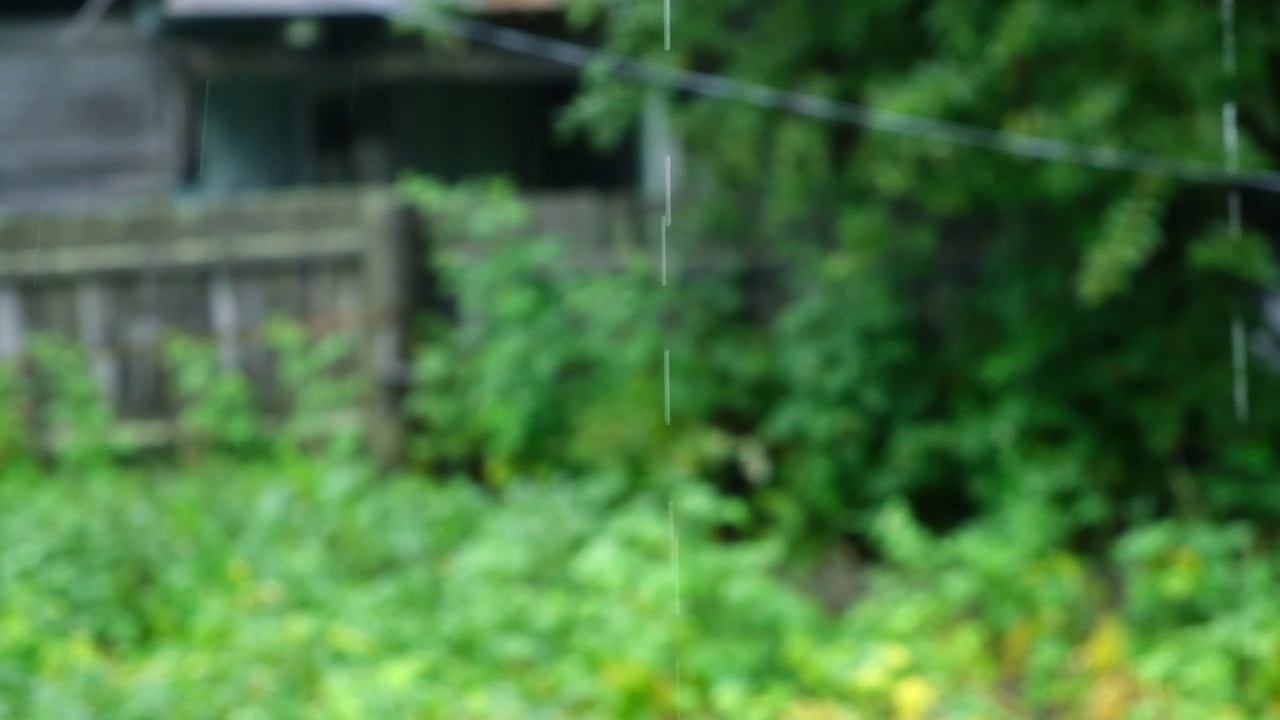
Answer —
(336, 260)
(11, 322)
(117, 281)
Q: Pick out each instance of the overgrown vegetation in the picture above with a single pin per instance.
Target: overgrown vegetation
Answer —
(961, 326)
(848, 397)
(263, 578)
(315, 589)
(1009, 382)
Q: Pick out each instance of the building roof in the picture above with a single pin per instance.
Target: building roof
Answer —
(286, 8)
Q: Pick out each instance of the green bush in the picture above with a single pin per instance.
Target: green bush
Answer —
(319, 593)
(960, 318)
(78, 420)
(217, 411)
(318, 377)
(52, 396)
(552, 369)
(17, 441)
(880, 373)
(308, 590)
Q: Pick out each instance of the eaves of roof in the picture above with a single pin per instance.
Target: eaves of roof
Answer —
(193, 9)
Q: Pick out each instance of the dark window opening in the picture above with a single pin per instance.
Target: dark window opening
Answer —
(334, 138)
(258, 133)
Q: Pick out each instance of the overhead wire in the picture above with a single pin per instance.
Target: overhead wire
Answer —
(1022, 145)
(814, 106)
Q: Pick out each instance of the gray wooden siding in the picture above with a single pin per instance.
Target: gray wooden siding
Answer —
(85, 126)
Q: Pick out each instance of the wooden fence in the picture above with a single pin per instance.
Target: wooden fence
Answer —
(348, 261)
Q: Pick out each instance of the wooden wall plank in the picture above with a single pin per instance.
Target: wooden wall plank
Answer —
(85, 128)
(188, 253)
(51, 308)
(12, 329)
(93, 317)
(144, 394)
(253, 309)
(225, 317)
(333, 295)
(391, 271)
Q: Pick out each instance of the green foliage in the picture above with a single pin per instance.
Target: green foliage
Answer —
(960, 395)
(960, 320)
(315, 372)
(1247, 257)
(1178, 623)
(553, 368)
(217, 414)
(78, 419)
(1039, 349)
(483, 210)
(321, 593)
(843, 372)
(217, 410)
(17, 444)
(1130, 235)
(304, 588)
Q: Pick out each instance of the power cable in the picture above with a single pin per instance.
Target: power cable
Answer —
(798, 103)
(709, 85)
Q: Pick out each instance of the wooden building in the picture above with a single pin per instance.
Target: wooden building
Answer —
(138, 143)
(216, 97)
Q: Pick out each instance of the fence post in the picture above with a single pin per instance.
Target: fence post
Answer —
(11, 329)
(92, 313)
(392, 264)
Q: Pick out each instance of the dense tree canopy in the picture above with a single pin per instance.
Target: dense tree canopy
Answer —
(980, 325)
